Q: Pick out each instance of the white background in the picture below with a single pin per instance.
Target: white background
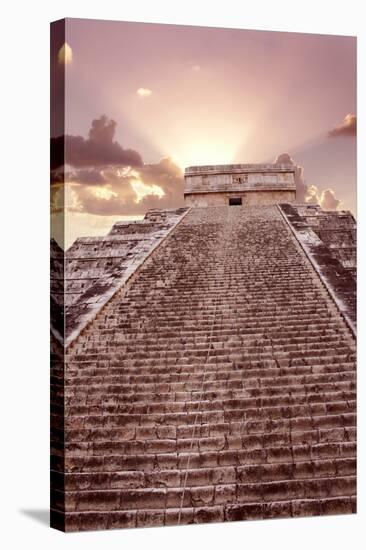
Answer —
(24, 134)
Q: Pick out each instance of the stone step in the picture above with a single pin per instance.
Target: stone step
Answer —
(249, 427)
(233, 338)
(219, 386)
(265, 326)
(165, 498)
(215, 343)
(215, 379)
(81, 458)
(85, 521)
(116, 404)
(330, 393)
(340, 467)
(84, 457)
(180, 439)
(80, 385)
(279, 359)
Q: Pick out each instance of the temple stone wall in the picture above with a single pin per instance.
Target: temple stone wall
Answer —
(256, 183)
(336, 229)
(248, 198)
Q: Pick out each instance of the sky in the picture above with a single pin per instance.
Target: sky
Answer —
(144, 101)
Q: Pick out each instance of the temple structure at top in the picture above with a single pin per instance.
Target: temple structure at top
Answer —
(239, 184)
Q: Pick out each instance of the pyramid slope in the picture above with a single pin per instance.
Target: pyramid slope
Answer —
(220, 386)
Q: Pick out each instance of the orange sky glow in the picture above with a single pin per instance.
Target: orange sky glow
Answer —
(180, 95)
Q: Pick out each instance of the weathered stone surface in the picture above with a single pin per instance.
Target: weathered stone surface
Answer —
(249, 197)
(337, 229)
(219, 386)
(96, 267)
(254, 184)
(324, 248)
(57, 290)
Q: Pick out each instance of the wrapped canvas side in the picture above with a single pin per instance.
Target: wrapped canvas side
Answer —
(57, 262)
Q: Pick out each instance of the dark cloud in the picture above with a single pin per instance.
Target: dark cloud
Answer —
(89, 177)
(115, 194)
(97, 150)
(104, 179)
(348, 127)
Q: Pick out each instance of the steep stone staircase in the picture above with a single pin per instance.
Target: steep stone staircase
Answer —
(218, 386)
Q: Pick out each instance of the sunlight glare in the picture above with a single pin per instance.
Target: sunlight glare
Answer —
(213, 152)
(142, 189)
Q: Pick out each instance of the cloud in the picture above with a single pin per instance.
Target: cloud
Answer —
(309, 194)
(134, 191)
(312, 195)
(166, 169)
(104, 179)
(144, 92)
(326, 199)
(126, 191)
(104, 193)
(98, 150)
(142, 190)
(65, 54)
(90, 177)
(348, 127)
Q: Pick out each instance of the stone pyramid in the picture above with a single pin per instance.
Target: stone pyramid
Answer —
(205, 368)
